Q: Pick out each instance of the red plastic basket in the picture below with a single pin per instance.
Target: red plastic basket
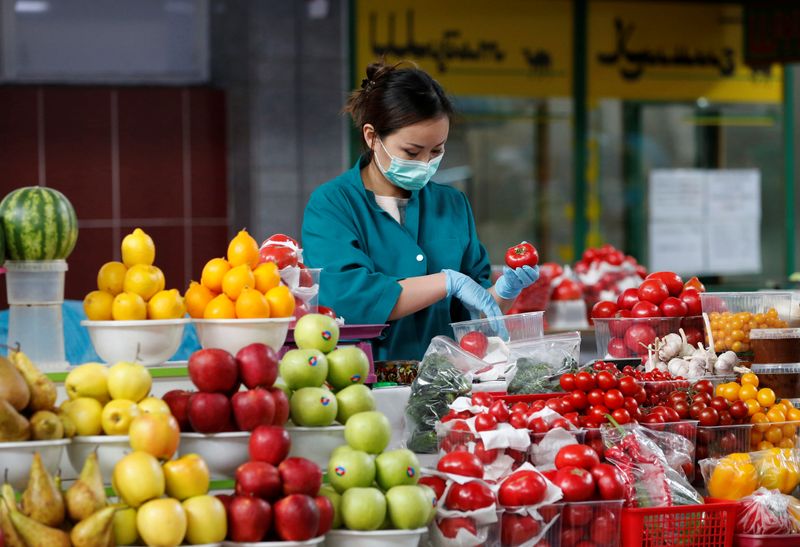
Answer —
(529, 398)
(707, 525)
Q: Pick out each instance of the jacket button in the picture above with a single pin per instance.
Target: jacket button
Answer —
(420, 258)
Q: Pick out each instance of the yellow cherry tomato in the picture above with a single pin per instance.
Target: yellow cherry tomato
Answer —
(793, 415)
(766, 397)
(750, 379)
(747, 392)
(786, 442)
(761, 421)
(752, 407)
(774, 434)
(765, 445)
(731, 391)
(775, 415)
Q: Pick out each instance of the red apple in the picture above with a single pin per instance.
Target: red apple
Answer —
(300, 476)
(178, 402)
(209, 412)
(296, 518)
(258, 365)
(213, 370)
(270, 444)
(281, 406)
(249, 519)
(226, 500)
(253, 408)
(325, 506)
(258, 479)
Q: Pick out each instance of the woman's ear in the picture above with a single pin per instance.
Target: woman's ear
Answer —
(368, 131)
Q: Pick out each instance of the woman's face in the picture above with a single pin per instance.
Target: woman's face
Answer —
(421, 141)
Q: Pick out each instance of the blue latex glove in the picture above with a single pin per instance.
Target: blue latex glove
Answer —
(511, 283)
(475, 298)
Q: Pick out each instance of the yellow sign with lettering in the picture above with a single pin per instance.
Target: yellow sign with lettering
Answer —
(472, 47)
(673, 51)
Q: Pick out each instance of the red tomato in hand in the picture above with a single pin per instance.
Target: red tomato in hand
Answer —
(577, 484)
(609, 480)
(461, 463)
(469, 497)
(522, 488)
(674, 307)
(523, 254)
(654, 291)
(604, 309)
(576, 455)
(476, 343)
(450, 526)
(282, 256)
(673, 281)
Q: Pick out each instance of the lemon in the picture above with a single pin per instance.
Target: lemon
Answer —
(251, 304)
(138, 248)
(143, 280)
(97, 305)
(197, 297)
(221, 307)
(166, 305)
(111, 276)
(213, 272)
(267, 276)
(243, 249)
(237, 279)
(128, 307)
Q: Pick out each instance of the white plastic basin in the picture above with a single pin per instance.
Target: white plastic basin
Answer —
(17, 459)
(222, 452)
(384, 538)
(309, 543)
(110, 449)
(149, 342)
(315, 443)
(234, 334)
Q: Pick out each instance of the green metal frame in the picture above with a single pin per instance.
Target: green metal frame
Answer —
(580, 112)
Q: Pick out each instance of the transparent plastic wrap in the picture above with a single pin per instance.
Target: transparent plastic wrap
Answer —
(650, 479)
(768, 512)
(738, 475)
(444, 374)
(538, 364)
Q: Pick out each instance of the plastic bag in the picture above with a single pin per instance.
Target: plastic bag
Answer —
(738, 475)
(768, 512)
(538, 364)
(444, 374)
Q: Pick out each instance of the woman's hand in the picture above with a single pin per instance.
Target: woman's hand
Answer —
(475, 298)
(511, 283)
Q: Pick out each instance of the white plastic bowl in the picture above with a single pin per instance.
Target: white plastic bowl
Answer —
(222, 452)
(234, 334)
(309, 543)
(17, 459)
(110, 450)
(384, 538)
(149, 342)
(315, 443)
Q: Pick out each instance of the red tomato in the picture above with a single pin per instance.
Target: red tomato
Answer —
(522, 488)
(598, 412)
(483, 399)
(621, 416)
(469, 496)
(485, 456)
(614, 399)
(645, 310)
(519, 407)
(704, 386)
(738, 409)
(627, 299)
(609, 480)
(282, 256)
(725, 418)
(596, 397)
(567, 381)
(694, 336)
(606, 380)
(673, 307)
(572, 536)
(567, 290)
(653, 290)
(617, 349)
(476, 343)
(500, 411)
(576, 455)
(604, 309)
(450, 526)
(281, 238)
(671, 280)
(576, 484)
(576, 516)
(461, 463)
(641, 396)
(485, 422)
(324, 310)
(523, 254)
(518, 420)
(584, 381)
(708, 417)
(306, 280)
(695, 409)
(516, 529)
(628, 386)
(605, 528)
(720, 403)
(579, 399)
(437, 484)
(682, 408)
(638, 337)
(691, 298)
(550, 270)
(695, 284)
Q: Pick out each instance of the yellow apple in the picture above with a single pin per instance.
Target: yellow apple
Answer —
(86, 414)
(88, 380)
(186, 477)
(206, 520)
(125, 532)
(162, 522)
(129, 381)
(157, 434)
(153, 405)
(118, 415)
(137, 478)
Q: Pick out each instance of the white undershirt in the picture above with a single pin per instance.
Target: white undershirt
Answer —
(396, 207)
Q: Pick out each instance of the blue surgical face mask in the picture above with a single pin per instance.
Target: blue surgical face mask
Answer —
(409, 175)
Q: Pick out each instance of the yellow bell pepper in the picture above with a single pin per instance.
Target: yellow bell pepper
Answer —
(733, 478)
(778, 470)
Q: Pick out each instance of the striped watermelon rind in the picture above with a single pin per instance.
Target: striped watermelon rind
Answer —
(39, 224)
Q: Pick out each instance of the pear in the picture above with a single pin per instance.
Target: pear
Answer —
(87, 495)
(9, 533)
(13, 426)
(36, 534)
(96, 531)
(69, 426)
(42, 500)
(42, 388)
(12, 385)
(46, 426)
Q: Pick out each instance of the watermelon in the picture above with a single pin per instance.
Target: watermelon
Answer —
(39, 224)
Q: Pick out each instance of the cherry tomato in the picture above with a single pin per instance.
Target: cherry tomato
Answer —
(695, 409)
(598, 412)
(641, 396)
(603, 310)
(738, 409)
(725, 418)
(653, 290)
(691, 298)
(627, 299)
(702, 398)
(682, 408)
(671, 280)
(628, 386)
(605, 380)
(567, 382)
(621, 416)
(614, 399)
(673, 307)
(584, 381)
(708, 417)
(579, 399)
(720, 403)
(596, 397)
(644, 309)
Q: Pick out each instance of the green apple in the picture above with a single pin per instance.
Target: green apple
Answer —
(430, 495)
(397, 467)
(352, 400)
(336, 499)
(206, 521)
(350, 469)
(363, 509)
(368, 431)
(409, 507)
(301, 368)
(313, 407)
(316, 331)
(347, 366)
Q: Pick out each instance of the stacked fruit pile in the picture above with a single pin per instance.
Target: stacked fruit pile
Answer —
(731, 331)
(27, 403)
(134, 288)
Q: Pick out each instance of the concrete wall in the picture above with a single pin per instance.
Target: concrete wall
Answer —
(284, 67)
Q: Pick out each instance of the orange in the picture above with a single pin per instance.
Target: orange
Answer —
(221, 307)
(251, 304)
(197, 298)
(243, 249)
(750, 378)
(766, 397)
(213, 272)
(748, 392)
(237, 279)
(267, 276)
(281, 301)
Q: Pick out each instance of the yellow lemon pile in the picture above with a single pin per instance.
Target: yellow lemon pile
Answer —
(238, 286)
(133, 289)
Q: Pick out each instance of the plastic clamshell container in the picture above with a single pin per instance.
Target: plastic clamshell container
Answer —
(110, 449)
(308, 543)
(709, 524)
(614, 329)
(35, 282)
(721, 440)
(753, 302)
(315, 443)
(655, 388)
(775, 345)
(548, 513)
(234, 334)
(222, 452)
(783, 379)
(511, 328)
(383, 538)
(16, 458)
(753, 540)
(588, 512)
(149, 342)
